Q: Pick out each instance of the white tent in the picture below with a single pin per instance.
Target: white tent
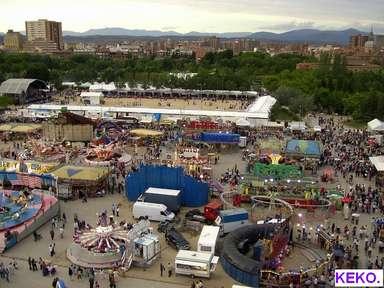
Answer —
(102, 87)
(241, 122)
(295, 126)
(378, 162)
(376, 125)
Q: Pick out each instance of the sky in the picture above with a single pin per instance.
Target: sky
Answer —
(197, 15)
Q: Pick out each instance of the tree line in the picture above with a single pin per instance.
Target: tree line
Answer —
(330, 88)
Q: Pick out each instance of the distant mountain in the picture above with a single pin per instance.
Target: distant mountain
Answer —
(308, 35)
(116, 31)
(303, 35)
(221, 35)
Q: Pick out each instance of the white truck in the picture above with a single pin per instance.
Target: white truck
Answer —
(154, 211)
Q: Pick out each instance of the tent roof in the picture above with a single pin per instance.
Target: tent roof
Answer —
(146, 132)
(243, 122)
(91, 94)
(378, 162)
(262, 104)
(81, 173)
(17, 86)
(376, 125)
(21, 128)
(102, 87)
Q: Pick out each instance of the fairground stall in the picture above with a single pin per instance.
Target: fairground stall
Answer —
(378, 162)
(18, 131)
(80, 181)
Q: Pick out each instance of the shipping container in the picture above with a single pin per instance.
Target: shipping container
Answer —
(231, 219)
(168, 197)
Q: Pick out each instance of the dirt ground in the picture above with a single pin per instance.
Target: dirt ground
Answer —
(194, 104)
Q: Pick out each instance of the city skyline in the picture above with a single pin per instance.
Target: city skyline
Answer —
(198, 15)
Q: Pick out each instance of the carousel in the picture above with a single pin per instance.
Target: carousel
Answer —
(17, 207)
(193, 161)
(104, 155)
(104, 246)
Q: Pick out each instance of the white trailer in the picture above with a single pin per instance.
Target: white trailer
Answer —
(243, 142)
(195, 264)
(208, 238)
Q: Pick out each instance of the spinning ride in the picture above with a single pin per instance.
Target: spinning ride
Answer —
(17, 207)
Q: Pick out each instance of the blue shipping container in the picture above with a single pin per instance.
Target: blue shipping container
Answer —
(233, 215)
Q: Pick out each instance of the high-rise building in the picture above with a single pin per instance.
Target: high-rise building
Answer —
(13, 41)
(358, 41)
(44, 35)
(379, 41)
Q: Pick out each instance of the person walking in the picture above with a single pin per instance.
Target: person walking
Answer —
(117, 210)
(51, 249)
(91, 281)
(169, 267)
(112, 281)
(162, 268)
(70, 272)
(113, 209)
(61, 231)
(52, 233)
(30, 262)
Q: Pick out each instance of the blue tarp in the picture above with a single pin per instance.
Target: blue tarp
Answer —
(194, 193)
(229, 138)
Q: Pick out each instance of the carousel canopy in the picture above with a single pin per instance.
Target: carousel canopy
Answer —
(146, 132)
(81, 173)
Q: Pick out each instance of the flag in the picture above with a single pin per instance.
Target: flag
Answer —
(16, 182)
(34, 182)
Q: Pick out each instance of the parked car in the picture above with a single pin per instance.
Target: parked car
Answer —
(176, 240)
(164, 226)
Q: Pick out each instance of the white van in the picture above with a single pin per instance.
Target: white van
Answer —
(154, 211)
(194, 263)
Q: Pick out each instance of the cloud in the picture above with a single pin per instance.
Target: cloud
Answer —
(168, 28)
(292, 25)
(198, 15)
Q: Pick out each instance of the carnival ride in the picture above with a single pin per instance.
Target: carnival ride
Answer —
(109, 245)
(17, 207)
(103, 155)
(268, 239)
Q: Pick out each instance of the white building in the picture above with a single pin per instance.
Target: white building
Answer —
(92, 98)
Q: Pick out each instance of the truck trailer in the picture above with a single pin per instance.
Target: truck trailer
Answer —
(168, 197)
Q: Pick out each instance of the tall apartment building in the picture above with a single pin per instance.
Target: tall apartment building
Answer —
(13, 41)
(44, 35)
(358, 41)
(379, 41)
